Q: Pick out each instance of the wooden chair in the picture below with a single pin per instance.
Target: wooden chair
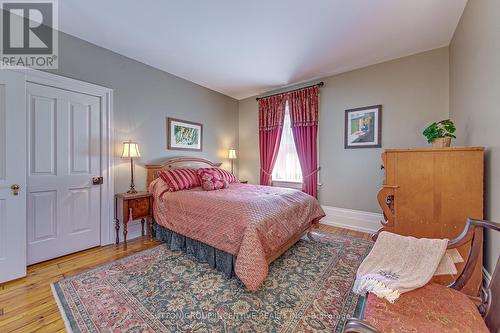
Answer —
(433, 307)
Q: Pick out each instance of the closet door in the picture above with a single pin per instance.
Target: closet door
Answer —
(64, 143)
(12, 175)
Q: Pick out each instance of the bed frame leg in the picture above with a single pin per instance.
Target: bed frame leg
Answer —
(310, 229)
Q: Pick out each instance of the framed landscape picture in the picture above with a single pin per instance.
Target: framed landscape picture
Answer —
(184, 135)
(363, 127)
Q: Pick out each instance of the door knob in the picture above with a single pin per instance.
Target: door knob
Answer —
(15, 189)
(97, 180)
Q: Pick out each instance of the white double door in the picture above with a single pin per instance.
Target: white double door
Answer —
(64, 154)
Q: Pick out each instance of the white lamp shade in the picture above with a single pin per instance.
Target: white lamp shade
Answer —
(232, 154)
(130, 150)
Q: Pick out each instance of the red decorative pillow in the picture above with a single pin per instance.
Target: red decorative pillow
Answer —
(223, 174)
(210, 180)
(180, 179)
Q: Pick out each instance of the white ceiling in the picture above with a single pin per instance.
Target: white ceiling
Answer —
(242, 48)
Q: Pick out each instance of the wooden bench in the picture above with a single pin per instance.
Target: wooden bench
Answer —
(434, 307)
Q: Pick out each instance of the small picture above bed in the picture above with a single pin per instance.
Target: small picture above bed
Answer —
(184, 135)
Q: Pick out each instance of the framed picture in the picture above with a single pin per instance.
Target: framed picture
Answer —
(363, 127)
(184, 135)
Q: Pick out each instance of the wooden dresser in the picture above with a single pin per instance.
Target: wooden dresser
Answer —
(430, 193)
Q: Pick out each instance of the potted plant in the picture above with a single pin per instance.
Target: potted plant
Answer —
(440, 133)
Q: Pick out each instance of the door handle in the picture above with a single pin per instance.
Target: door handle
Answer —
(97, 180)
(15, 189)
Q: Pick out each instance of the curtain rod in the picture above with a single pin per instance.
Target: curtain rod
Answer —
(320, 84)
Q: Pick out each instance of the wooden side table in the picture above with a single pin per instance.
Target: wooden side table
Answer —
(129, 207)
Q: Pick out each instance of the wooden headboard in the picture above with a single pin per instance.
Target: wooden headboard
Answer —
(176, 163)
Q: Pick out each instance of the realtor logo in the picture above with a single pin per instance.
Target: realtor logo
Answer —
(29, 34)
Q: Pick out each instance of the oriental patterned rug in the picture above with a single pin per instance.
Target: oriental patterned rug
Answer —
(309, 289)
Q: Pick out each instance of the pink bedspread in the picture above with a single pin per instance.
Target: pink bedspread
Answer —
(248, 221)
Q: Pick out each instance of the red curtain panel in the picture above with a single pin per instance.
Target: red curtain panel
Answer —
(303, 108)
(271, 116)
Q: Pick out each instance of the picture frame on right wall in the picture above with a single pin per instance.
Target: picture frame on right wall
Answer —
(363, 127)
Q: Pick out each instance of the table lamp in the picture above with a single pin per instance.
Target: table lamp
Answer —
(131, 150)
(232, 157)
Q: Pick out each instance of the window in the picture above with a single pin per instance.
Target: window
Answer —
(287, 167)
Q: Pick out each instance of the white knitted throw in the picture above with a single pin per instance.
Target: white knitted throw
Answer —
(398, 264)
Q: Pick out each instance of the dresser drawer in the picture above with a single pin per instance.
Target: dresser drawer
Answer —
(140, 207)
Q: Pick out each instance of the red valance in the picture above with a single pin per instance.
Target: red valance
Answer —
(303, 106)
(272, 112)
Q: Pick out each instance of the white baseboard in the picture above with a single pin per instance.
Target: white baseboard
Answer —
(352, 219)
(133, 230)
(338, 217)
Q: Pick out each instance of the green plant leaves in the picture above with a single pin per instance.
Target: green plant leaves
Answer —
(443, 129)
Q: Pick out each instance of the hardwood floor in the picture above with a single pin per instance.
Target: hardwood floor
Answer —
(27, 304)
(347, 232)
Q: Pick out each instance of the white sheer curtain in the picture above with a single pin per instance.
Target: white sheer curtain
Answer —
(287, 167)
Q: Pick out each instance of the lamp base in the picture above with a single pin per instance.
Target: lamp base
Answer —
(132, 185)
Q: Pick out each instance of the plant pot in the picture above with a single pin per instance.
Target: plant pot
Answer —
(441, 142)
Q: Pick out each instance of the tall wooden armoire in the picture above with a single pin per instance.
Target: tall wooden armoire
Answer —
(430, 193)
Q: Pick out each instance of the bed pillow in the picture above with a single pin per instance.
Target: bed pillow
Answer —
(211, 180)
(158, 187)
(223, 174)
(180, 179)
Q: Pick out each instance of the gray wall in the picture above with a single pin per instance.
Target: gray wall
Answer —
(248, 137)
(475, 99)
(143, 98)
(414, 92)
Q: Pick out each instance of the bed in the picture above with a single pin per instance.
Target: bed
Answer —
(252, 224)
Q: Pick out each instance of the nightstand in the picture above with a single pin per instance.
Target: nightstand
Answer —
(244, 181)
(129, 207)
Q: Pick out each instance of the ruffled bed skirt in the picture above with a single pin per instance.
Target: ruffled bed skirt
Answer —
(220, 260)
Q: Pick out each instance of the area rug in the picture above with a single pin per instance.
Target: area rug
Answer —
(308, 290)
